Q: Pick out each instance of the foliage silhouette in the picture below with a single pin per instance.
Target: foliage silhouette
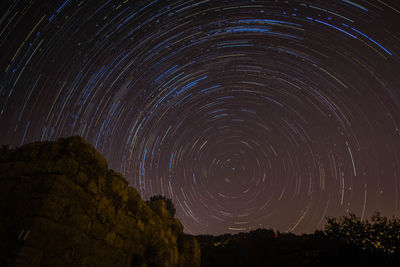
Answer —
(345, 241)
(380, 234)
(168, 202)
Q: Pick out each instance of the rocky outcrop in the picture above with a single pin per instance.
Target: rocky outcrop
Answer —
(61, 206)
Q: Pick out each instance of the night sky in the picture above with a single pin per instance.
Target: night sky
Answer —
(246, 114)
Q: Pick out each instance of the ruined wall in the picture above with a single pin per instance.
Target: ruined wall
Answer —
(60, 205)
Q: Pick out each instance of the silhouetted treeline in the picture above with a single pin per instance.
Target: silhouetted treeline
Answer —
(378, 235)
(345, 241)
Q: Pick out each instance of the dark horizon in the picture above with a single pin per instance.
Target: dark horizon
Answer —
(247, 114)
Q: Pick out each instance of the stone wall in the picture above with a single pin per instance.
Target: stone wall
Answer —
(61, 206)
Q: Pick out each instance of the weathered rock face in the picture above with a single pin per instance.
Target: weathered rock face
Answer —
(61, 206)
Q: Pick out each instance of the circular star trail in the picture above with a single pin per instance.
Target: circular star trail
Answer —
(246, 114)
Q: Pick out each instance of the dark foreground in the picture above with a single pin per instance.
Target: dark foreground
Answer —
(62, 206)
(266, 248)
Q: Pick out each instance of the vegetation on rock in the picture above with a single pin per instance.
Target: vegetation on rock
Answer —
(168, 202)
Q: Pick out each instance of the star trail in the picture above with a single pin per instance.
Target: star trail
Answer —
(246, 114)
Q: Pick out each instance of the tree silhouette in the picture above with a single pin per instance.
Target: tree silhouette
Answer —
(380, 234)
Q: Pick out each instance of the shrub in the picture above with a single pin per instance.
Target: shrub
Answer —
(168, 202)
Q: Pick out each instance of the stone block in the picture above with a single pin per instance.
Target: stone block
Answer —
(106, 210)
